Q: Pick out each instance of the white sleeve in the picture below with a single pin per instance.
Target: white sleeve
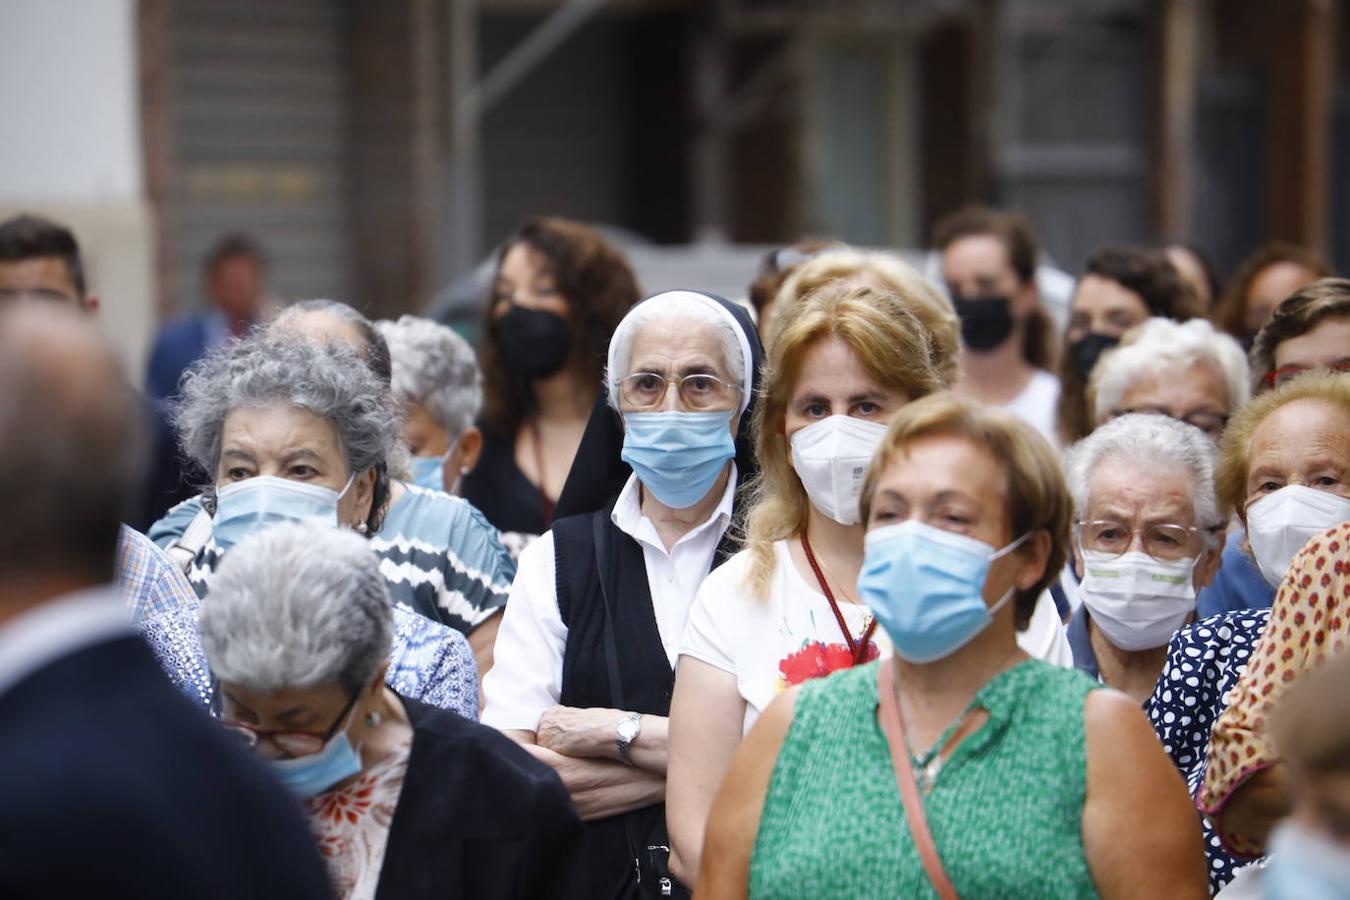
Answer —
(1044, 637)
(708, 635)
(526, 675)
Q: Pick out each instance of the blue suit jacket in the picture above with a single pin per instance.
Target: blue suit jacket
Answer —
(178, 345)
(114, 785)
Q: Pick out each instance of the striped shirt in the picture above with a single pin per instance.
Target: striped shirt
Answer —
(439, 556)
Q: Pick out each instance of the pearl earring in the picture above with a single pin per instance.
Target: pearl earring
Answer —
(362, 527)
(372, 719)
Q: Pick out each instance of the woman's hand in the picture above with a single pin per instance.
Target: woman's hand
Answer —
(580, 732)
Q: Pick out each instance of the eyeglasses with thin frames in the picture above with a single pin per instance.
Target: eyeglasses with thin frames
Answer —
(296, 743)
(698, 392)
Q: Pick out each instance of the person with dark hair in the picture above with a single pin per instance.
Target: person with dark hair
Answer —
(40, 259)
(233, 276)
(559, 291)
(1121, 287)
(989, 264)
(113, 784)
(1271, 273)
(774, 270)
(1198, 273)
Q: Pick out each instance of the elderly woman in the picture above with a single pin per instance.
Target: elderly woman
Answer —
(436, 379)
(1186, 370)
(1286, 463)
(844, 359)
(968, 521)
(441, 557)
(1147, 537)
(586, 651)
(1121, 287)
(406, 800)
(1285, 466)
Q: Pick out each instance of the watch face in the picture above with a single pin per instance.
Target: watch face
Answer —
(628, 729)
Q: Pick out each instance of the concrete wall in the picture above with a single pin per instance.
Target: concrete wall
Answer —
(71, 147)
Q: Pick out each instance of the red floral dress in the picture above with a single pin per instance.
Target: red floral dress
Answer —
(351, 824)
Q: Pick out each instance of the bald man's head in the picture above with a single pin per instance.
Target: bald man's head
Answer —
(71, 444)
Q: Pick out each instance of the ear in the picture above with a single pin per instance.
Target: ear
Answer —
(362, 495)
(91, 304)
(1207, 566)
(1034, 556)
(469, 449)
(376, 686)
(1025, 299)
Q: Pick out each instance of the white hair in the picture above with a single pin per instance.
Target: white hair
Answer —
(685, 307)
(1163, 345)
(435, 368)
(1149, 443)
(296, 606)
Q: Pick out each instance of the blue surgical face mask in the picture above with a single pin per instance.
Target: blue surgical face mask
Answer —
(429, 471)
(310, 775)
(926, 587)
(249, 505)
(1305, 865)
(677, 455)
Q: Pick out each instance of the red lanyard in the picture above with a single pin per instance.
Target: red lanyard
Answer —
(857, 647)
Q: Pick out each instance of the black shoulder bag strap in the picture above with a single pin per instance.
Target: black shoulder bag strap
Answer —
(659, 882)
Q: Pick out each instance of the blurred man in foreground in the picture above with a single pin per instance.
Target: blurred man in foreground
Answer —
(113, 785)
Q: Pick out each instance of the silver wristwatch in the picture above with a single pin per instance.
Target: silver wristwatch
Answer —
(629, 728)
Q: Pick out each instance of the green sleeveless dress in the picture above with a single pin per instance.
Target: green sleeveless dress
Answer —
(1005, 812)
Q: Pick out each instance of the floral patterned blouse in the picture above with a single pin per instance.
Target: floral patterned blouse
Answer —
(1309, 622)
(351, 824)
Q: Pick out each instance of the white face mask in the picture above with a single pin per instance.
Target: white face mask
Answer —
(1280, 523)
(831, 458)
(1137, 601)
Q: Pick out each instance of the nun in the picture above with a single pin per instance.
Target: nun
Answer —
(584, 660)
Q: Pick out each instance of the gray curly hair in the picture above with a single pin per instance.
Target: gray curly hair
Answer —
(435, 368)
(296, 606)
(329, 380)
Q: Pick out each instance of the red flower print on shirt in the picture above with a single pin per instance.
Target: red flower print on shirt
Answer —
(815, 660)
(348, 804)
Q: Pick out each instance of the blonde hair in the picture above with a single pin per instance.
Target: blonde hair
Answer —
(885, 274)
(1038, 497)
(1230, 477)
(894, 347)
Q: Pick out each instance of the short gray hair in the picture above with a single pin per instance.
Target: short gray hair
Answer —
(1150, 442)
(297, 606)
(329, 380)
(1163, 344)
(435, 368)
(679, 306)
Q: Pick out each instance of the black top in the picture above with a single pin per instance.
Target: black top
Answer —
(500, 490)
(115, 785)
(479, 817)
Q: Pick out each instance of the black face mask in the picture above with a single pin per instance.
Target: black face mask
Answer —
(986, 322)
(1088, 350)
(535, 343)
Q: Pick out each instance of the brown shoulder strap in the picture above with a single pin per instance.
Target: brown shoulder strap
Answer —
(894, 729)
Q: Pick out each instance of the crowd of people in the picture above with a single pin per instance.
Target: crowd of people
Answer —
(869, 585)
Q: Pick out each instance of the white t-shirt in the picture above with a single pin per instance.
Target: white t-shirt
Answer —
(1037, 404)
(790, 635)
